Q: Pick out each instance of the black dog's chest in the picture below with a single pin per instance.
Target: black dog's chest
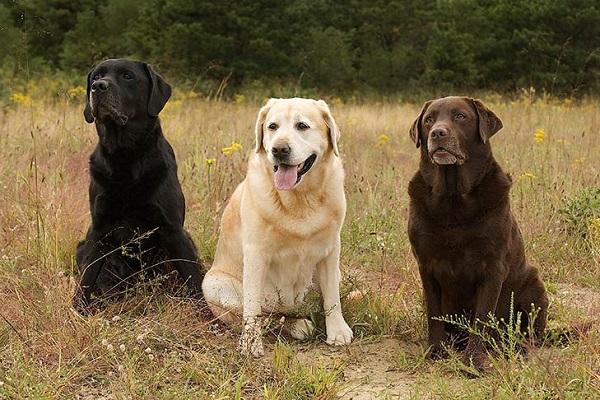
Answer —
(126, 210)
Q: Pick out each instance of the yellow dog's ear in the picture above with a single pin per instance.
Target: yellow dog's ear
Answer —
(489, 123)
(260, 120)
(334, 131)
(415, 129)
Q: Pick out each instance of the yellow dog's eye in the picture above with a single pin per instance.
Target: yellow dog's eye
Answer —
(273, 126)
(302, 126)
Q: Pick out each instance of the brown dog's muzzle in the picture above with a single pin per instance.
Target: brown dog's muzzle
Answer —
(444, 148)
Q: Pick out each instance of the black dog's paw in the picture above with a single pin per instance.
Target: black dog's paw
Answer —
(83, 305)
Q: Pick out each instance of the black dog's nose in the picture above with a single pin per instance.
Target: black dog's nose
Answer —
(100, 86)
(438, 133)
(281, 151)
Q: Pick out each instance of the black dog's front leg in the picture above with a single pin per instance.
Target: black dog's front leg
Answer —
(90, 260)
(181, 249)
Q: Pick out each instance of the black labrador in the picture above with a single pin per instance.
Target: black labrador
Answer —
(137, 206)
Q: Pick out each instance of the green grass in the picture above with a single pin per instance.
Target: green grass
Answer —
(175, 351)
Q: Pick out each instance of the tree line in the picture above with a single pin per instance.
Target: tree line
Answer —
(346, 46)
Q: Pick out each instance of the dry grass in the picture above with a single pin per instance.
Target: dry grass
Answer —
(157, 346)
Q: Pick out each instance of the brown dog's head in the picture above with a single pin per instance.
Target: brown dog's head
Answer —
(455, 131)
(452, 129)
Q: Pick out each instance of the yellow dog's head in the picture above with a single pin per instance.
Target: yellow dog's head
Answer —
(296, 134)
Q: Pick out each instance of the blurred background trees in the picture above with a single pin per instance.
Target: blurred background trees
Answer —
(342, 47)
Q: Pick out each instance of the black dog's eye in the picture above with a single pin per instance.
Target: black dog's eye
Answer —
(127, 75)
(428, 120)
(460, 116)
(96, 77)
(273, 126)
(302, 126)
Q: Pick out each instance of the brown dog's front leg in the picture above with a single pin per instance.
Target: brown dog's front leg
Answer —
(436, 332)
(485, 305)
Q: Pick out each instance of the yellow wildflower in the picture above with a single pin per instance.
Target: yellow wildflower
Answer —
(336, 101)
(239, 99)
(539, 135)
(20, 98)
(76, 91)
(234, 147)
(528, 175)
(594, 228)
(210, 161)
(382, 140)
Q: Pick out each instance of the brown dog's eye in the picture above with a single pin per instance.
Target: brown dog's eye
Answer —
(460, 116)
(273, 126)
(302, 126)
(428, 120)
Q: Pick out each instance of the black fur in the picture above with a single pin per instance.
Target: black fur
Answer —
(134, 190)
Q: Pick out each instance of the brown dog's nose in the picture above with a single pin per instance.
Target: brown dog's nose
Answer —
(438, 133)
(100, 86)
(281, 151)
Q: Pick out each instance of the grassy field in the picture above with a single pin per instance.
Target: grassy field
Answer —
(156, 345)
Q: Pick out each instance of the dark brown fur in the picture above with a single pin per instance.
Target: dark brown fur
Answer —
(463, 234)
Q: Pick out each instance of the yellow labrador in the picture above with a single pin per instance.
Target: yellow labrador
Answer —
(283, 222)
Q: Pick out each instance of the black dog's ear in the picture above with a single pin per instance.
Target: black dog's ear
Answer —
(489, 123)
(87, 111)
(160, 92)
(415, 129)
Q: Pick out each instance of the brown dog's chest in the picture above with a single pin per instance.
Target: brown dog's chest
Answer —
(461, 254)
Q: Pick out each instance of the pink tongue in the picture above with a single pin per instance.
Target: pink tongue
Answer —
(285, 177)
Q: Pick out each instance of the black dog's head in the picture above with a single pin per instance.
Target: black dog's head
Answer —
(453, 129)
(120, 91)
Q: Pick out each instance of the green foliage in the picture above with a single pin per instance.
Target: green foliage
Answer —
(345, 47)
(579, 211)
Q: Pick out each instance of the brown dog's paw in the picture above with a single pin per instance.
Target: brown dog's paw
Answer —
(437, 352)
(479, 360)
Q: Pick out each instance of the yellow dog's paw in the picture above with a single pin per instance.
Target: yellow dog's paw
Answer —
(339, 333)
(299, 329)
(251, 339)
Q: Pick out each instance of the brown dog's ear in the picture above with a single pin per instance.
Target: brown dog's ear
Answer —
(334, 131)
(489, 123)
(160, 92)
(87, 111)
(260, 120)
(415, 129)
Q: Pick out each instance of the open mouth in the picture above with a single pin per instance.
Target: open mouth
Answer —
(287, 176)
(442, 156)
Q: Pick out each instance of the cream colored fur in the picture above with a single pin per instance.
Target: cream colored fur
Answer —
(271, 242)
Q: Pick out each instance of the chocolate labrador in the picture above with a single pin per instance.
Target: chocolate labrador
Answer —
(463, 234)
(137, 206)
